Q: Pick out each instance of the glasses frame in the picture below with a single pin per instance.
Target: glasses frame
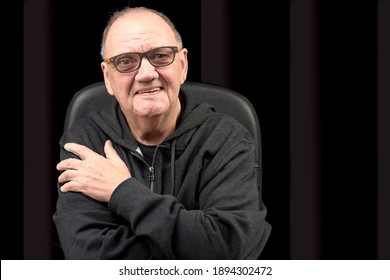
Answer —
(141, 56)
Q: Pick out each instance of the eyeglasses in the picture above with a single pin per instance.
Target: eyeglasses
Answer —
(129, 62)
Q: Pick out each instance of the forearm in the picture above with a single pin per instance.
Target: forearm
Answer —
(219, 231)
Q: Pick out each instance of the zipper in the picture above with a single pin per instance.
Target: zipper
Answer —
(150, 168)
(151, 177)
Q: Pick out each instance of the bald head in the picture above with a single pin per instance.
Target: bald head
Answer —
(139, 27)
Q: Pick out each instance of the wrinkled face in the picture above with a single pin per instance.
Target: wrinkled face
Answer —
(148, 91)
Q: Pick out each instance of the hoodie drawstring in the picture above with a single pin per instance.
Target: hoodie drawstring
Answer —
(173, 155)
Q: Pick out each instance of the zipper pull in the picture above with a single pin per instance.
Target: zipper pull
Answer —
(151, 177)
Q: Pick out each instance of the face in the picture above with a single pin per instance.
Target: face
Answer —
(149, 92)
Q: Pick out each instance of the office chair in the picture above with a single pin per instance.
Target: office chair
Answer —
(95, 96)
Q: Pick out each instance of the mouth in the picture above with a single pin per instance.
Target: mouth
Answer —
(150, 90)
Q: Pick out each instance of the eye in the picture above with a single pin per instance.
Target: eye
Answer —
(126, 60)
(161, 56)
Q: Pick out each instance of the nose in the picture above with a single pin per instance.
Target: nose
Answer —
(146, 71)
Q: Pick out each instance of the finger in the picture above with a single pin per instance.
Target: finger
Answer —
(69, 163)
(64, 188)
(67, 175)
(110, 151)
(70, 186)
(80, 150)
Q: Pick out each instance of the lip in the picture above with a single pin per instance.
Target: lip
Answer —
(149, 90)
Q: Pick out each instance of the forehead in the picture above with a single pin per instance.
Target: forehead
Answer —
(139, 31)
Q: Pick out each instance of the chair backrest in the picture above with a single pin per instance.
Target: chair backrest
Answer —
(227, 101)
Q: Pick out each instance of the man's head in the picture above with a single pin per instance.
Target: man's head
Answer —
(145, 85)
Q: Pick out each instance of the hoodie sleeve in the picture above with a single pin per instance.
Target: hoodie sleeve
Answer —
(229, 220)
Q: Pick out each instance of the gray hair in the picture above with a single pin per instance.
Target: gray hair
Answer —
(126, 10)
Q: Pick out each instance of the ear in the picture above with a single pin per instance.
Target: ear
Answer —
(104, 67)
(184, 64)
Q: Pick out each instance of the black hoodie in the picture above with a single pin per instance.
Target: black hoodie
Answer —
(197, 200)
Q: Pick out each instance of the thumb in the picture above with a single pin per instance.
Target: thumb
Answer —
(110, 151)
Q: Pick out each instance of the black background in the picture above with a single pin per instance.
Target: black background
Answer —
(317, 73)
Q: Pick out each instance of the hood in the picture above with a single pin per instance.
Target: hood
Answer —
(113, 122)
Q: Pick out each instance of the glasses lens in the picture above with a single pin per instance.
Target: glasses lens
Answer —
(158, 57)
(127, 62)
(161, 56)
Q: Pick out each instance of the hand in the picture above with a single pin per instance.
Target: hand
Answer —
(93, 175)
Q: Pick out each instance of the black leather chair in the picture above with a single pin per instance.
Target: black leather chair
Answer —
(95, 96)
